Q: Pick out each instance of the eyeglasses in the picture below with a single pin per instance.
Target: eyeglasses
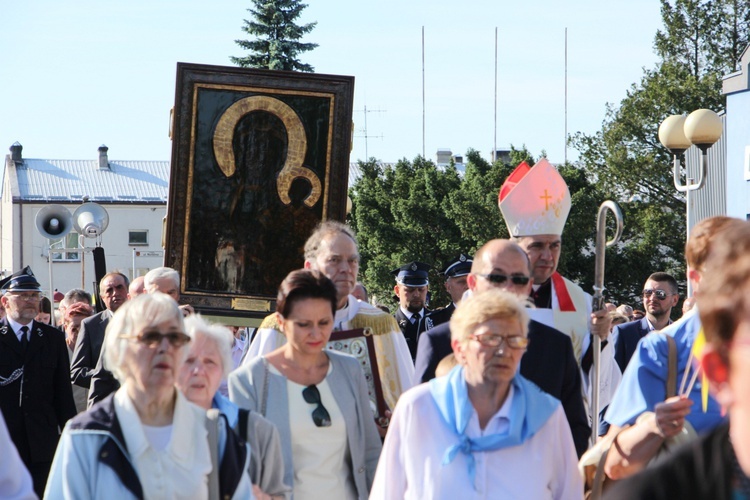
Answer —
(320, 415)
(30, 297)
(512, 341)
(499, 279)
(154, 338)
(659, 294)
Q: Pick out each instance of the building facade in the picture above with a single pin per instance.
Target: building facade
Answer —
(133, 193)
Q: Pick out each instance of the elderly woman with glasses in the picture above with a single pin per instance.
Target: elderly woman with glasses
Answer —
(482, 431)
(147, 440)
(317, 398)
(208, 362)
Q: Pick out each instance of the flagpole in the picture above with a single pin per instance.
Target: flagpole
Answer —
(494, 143)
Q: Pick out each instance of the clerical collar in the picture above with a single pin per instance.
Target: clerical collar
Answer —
(542, 295)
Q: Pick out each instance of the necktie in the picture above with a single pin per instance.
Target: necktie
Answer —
(24, 338)
(415, 318)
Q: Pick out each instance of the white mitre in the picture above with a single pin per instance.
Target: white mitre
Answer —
(534, 200)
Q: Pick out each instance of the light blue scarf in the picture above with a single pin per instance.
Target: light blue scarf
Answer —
(229, 409)
(530, 409)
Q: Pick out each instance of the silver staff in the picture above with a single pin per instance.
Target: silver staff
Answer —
(597, 302)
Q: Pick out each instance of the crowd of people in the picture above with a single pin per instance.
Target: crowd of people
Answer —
(489, 397)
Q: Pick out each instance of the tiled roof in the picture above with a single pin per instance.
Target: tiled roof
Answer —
(59, 181)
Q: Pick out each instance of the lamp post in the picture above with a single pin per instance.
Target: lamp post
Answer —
(677, 133)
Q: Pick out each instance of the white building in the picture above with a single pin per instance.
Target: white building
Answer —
(737, 89)
(134, 194)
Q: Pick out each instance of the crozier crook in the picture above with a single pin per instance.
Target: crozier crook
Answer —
(296, 144)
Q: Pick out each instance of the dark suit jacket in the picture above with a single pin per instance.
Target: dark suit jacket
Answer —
(442, 315)
(103, 382)
(410, 330)
(88, 347)
(628, 335)
(549, 362)
(37, 412)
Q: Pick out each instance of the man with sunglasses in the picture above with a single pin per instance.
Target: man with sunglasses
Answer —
(644, 384)
(659, 297)
(548, 362)
(36, 397)
(535, 202)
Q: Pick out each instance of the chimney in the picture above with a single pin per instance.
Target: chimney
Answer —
(444, 156)
(103, 159)
(15, 153)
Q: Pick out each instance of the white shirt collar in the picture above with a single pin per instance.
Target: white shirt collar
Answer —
(500, 421)
(184, 440)
(647, 325)
(16, 327)
(409, 314)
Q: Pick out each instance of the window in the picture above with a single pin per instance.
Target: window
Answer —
(58, 248)
(138, 237)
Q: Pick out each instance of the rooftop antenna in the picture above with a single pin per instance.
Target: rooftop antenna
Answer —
(366, 136)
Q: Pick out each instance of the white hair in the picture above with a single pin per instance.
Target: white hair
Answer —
(197, 327)
(158, 273)
(133, 316)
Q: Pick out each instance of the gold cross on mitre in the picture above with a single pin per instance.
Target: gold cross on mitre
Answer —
(546, 199)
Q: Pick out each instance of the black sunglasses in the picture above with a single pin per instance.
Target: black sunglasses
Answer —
(320, 415)
(499, 279)
(660, 294)
(154, 338)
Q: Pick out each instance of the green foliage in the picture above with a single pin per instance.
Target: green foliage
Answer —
(277, 44)
(700, 42)
(703, 36)
(416, 211)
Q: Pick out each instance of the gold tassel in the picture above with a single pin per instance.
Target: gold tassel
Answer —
(380, 323)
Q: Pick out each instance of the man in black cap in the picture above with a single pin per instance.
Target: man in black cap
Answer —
(455, 273)
(36, 398)
(411, 289)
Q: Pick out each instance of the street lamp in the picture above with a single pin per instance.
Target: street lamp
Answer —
(677, 133)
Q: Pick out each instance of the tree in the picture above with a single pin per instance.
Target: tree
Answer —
(700, 43)
(277, 44)
(416, 211)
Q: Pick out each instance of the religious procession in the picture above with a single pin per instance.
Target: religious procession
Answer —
(249, 360)
(525, 386)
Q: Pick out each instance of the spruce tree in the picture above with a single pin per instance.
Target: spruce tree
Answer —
(277, 44)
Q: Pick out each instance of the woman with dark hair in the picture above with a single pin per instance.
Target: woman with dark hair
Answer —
(316, 397)
(45, 312)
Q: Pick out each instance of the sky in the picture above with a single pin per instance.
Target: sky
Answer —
(80, 73)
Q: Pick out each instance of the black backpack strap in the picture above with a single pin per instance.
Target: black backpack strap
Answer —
(242, 424)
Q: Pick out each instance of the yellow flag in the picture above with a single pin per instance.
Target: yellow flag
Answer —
(698, 345)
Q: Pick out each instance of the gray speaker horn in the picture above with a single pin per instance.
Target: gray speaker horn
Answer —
(54, 221)
(90, 220)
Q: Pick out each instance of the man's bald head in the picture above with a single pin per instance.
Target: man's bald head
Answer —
(497, 259)
(483, 257)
